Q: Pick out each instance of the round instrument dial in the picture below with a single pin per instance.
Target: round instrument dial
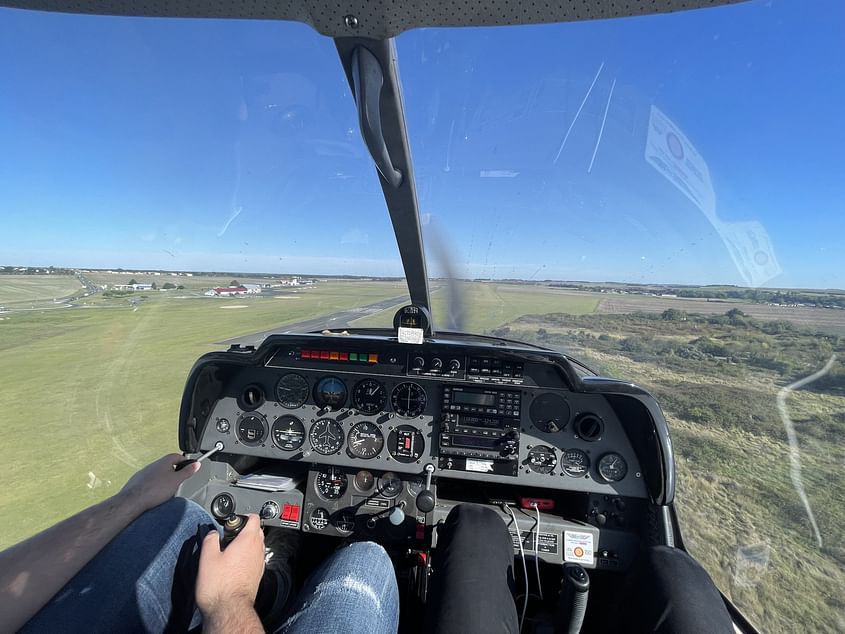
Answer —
(331, 483)
(575, 463)
(612, 467)
(344, 520)
(288, 433)
(364, 481)
(365, 440)
(369, 396)
(292, 391)
(319, 519)
(408, 400)
(326, 436)
(252, 429)
(389, 485)
(542, 459)
(330, 392)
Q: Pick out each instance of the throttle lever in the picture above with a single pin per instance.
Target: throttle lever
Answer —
(218, 446)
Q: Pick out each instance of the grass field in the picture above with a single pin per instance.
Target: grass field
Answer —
(91, 394)
(17, 290)
(195, 282)
(488, 305)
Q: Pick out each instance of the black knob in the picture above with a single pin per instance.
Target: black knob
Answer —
(419, 362)
(454, 365)
(425, 501)
(231, 527)
(436, 363)
(601, 519)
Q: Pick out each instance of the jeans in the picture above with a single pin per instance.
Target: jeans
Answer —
(128, 586)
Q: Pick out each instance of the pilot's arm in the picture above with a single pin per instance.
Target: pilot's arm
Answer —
(34, 570)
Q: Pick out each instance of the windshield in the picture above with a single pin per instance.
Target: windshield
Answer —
(659, 196)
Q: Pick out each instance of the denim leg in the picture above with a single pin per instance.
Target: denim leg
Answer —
(127, 586)
(353, 591)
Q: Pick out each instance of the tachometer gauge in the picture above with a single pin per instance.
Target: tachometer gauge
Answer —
(575, 463)
(292, 391)
(326, 436)
(369, 396)
(365, 440)
(541, 459)
(389, 485)
(252, 429)
(288, 433)
(612, 467)
(408, 400)
(331, 483)
(330, 392)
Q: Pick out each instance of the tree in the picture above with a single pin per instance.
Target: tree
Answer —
(234, 284)
(180, 287)
(153, 286)
(132, 281)
(673, 314)
(168, 285)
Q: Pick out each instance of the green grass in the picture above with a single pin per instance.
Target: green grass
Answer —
(98, 390)
(16, 290)
(489, 304)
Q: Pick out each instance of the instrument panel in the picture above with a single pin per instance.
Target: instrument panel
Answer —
(491, 418)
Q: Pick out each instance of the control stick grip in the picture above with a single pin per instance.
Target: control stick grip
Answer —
(572, 602)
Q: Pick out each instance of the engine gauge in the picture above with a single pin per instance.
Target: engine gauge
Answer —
(542, 459)
(326, 436)
(292, 391)
(389, 485)
(612, 467)
(575, 463)
(369, 396)
(288, 433)
(408, 400)
(252, 429)
(319, 519)
(331, 483)
(364, 481)
(365, 440)
(344, 521)
(330, 392)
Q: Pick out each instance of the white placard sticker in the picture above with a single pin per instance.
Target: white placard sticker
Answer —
(410, 335)
(481, 466)
(578, 547)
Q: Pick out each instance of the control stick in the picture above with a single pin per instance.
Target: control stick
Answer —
(218, 446)
(572, 601)
(425, 498)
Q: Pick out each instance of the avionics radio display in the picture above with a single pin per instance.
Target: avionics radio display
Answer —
(472, 400)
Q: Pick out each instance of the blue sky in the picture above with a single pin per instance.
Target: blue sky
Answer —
(233, 146)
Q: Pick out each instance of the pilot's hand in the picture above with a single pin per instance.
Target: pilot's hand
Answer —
(157, 482)
(227, 581)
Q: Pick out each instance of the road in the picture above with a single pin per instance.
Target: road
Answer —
(339, 319)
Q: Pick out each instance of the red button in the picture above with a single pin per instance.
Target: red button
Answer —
(306, 354)
(344, 356)
(324, 354)
(407, 443)
(294, 512)
(286, 511)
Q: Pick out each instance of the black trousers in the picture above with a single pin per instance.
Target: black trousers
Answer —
(472, 583)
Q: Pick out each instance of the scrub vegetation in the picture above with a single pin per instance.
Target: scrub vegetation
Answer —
(717, 378)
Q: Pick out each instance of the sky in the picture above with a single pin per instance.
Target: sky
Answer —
(699, 147)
